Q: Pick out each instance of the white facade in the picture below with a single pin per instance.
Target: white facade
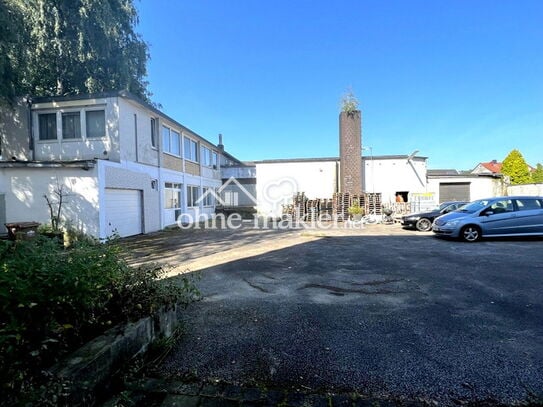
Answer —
(318, 178)
(24, 191)
(391, 174)
(479, 186)
(130, 153)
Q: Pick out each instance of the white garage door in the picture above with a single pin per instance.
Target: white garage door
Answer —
(123, 212)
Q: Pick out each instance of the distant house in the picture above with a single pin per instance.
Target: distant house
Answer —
(126, 166)
(491, 167)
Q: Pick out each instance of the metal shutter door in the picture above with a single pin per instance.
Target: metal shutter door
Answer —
(454, 191)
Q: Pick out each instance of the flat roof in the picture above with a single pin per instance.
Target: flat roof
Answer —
(324, 159)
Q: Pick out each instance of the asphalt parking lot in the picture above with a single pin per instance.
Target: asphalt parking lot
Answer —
(380, 311)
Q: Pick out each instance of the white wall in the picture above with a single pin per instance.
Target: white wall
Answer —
(527, 189)
(24, 190)
(78, 149)
(143, 151)
(277, 180)
(390, 175)
(480, 187)
(131, 176)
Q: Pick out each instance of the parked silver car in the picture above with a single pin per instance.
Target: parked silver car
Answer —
(500, 216)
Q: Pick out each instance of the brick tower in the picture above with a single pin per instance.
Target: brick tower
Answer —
(350, 152)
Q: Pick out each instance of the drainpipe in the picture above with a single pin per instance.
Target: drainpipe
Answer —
(30, 128)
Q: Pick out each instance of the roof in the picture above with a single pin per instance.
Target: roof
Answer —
(126, 95)
(85, 164)
(492, 166)
(441, 172)
(327, 159)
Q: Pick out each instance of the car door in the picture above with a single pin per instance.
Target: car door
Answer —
(499, 218)
(529, 215)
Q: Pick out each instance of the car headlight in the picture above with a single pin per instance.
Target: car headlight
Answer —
(412, 217)
(452, 223)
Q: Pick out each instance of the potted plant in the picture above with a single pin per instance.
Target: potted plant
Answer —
(356, 212)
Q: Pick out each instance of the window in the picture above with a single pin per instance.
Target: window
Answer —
(191, 149)
(96, 123)
(171, 141)
(175, 143)
(193, 195)
(71, 125)
(205, 156)
(214, 160)
(165, 139)
(502, 206)
(172, 195)
(153, 132)
(208, 195)
(527, 204)
(48, 126)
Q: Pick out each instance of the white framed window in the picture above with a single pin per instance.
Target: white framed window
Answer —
(71, 125)
(190, 149)
(175, 142)
(47, 123)
(153, 133)
(165, 138)
(193, 194)
(205, 156)
(171, 141)
(95, 123)
(172, 195)
(215, 160)
(208, 195)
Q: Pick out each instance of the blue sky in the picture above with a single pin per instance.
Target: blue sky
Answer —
(461, 81)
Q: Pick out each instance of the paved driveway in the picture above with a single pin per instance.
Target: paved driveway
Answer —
(381, 311)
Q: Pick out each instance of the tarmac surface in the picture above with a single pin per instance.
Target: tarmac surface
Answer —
(379, 311)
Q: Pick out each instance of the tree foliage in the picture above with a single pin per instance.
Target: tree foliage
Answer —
(537, 175)
(73, 47)
(516, 168)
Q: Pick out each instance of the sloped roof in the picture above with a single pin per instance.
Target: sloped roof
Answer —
(493, 166)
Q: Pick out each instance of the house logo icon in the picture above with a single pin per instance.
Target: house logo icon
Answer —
(228, 194)
(232, 193)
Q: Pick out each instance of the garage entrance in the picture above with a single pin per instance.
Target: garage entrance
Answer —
(124, 212)
(454, 191)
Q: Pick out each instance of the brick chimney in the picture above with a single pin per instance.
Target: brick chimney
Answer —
(350, 152)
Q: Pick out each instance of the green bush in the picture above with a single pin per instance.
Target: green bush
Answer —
(52, 300)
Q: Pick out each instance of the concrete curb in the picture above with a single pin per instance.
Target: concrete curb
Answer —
(90, 368)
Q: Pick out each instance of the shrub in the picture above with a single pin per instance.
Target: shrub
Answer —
(52, 300)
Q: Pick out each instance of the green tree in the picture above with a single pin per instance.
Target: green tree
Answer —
(516, 168)
(10, 50)
(537, 175)
(80, 46)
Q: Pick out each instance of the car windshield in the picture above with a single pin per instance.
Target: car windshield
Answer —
(474, 206)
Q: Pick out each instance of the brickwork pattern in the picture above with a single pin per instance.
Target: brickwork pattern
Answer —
(350, 152)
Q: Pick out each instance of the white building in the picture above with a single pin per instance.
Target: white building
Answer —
(126, 166)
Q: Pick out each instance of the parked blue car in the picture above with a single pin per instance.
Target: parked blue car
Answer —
(422, 221)
(500, 216)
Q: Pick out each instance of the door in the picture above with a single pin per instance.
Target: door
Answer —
(499, 218)
(454, 191)
(124, 212)
(529, 215)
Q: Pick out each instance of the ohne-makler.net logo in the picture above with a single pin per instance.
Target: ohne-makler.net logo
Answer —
(275, 194)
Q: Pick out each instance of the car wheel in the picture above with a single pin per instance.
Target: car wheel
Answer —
(470, 233)
(424, 225)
